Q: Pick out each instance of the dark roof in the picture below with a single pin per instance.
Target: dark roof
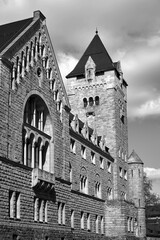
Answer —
(11, 30)
(100, 56)
(134, 158)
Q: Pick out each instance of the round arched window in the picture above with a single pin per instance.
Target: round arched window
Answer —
(37, 133)
(91, 101)
(85, 102)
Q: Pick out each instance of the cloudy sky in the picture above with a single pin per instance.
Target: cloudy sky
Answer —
(130, 31)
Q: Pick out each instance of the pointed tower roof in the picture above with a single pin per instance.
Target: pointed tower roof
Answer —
(134, 158)
(98, 53)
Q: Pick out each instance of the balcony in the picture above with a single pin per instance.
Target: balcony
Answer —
(42, 180)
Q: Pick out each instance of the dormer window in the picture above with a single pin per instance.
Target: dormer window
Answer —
(90, 69)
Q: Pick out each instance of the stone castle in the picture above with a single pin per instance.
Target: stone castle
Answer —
(64, 166)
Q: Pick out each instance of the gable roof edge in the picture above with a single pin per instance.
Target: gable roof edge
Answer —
(55, 59)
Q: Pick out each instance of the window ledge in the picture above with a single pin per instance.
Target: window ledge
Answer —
(86, 195)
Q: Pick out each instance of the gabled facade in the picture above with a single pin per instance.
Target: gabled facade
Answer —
(63, 158)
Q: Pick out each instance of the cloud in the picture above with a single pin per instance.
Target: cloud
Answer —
(152, 173)
(66, 64)
(149, 108)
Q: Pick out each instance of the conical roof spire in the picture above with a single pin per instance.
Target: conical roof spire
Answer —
(134, 158)
(100, 56)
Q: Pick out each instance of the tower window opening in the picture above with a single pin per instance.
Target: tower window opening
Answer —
(90, 101)
(97, 100)
(85, 102)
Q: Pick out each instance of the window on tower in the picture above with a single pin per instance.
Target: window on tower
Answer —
(85, 102)
(96, 100)
(91, 102)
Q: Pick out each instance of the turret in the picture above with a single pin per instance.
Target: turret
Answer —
(136, 190)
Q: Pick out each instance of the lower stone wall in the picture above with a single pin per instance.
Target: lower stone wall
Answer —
(25, 233)
(117, 213)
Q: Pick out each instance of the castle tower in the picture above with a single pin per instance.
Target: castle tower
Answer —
(97, 93)
(136, 192)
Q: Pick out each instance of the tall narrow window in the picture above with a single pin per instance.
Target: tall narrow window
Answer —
(120, 172)
(90, 101)
(139, 172)
(85, 102)
(72, 145)
(63, 214)
(96, 100)
(128, 224)
(125, 174)
(14, 204)
(132, 173)
(83, 184)
(132, 228)
(102, 225)
(59, 212)
(109, 166)
(97, 229)
(83, 152)
(109, 193)
(36, 209)
(18, 205)
(72, 218)
(11, 204)
(93, 159)
(70, 172)
(45, 211)
(82, 220)
(88, 222)
(98, 190)
(41, 202)
(101, 162)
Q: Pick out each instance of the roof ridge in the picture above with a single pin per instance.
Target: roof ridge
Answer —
(11, 30)
(9, 23)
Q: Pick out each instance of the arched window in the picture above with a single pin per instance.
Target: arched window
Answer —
(98, 190)
(85, 102)
(97, 100)
(91, 101)
(46, 63)
(70, 173)
(83, 184)
(36, 134)
(128, 224)
(43, 51)
(109, 193)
